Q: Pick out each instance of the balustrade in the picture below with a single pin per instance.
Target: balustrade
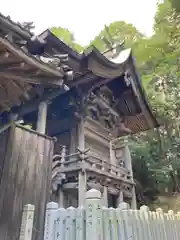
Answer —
(91, 161)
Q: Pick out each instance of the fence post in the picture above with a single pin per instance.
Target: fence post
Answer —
(93, 215)
(161, 216)
(27, 222)
(80, 223)
(171, 224)
(124, 219)
(49, 228)
(124, 206)
(144, 214)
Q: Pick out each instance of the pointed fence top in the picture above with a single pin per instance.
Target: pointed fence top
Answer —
(159, 210)
(144, 208)
(124, 206)
(29, 207)
(93, 193)
(52, 205)
(171, 212)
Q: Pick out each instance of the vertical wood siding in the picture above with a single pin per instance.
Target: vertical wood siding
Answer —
(3, 148)
(26, 179)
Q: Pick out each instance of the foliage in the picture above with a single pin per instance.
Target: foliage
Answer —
(117, 32)
(159, 66)
(67, 37)
(176, 5)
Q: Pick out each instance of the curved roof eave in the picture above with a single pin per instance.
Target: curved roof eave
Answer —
(114, 63)
(90, 54)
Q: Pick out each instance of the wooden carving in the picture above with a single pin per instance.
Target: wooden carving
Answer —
(92, 107)
(106, 94)
(98, 108)
(120, 129)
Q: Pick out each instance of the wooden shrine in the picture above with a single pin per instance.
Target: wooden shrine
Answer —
(77, 105)
(105, 102)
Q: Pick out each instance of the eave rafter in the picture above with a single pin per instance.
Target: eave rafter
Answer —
(21, 72)
(13, 61)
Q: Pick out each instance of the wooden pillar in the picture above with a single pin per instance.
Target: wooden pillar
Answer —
(81, 188)
(42, 117)
(60, 190)
(61, 198)
(133, 201)
(82, 175)
(112, 153)
(73, 141)
(120, 198)
(105, 197)
(128, 165)
(81, 135)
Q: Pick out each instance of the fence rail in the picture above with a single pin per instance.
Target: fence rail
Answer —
(95, 222)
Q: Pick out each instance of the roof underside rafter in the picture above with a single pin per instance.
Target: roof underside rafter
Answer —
(20, 73)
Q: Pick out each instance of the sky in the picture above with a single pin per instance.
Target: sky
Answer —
(85, 18)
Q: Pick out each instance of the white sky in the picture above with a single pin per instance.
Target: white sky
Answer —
(85, 18)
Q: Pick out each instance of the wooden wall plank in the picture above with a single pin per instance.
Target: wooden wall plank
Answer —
(3, 148)
(26, 179)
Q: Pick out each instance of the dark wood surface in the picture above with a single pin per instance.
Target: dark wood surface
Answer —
(3, 148)
(26, 179)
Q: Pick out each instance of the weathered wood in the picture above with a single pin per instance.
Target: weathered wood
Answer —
(128, 164)
(82, 188)
(42, 117)
(27, 222)
(105, 196)
(4, 133)
(120, 198)
(25, 180)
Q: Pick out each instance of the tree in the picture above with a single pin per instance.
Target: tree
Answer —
(67, 37)
(160, 72)
(117, 32)
(176, 5)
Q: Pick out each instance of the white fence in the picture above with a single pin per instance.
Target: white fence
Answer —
(94, 222)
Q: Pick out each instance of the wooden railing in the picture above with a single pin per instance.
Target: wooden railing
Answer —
(93, 163)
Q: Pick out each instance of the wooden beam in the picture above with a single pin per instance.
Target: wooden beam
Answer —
(33, 105)
(4, 55)
(9, 25)
(30, 79)
(72, 185)
(105, 196)
(82, 187)
(30, 60)
(42, 117)
(60, 198)
(120, 198)
(8, 64)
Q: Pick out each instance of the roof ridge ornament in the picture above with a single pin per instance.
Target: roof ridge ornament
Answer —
(114, 47)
